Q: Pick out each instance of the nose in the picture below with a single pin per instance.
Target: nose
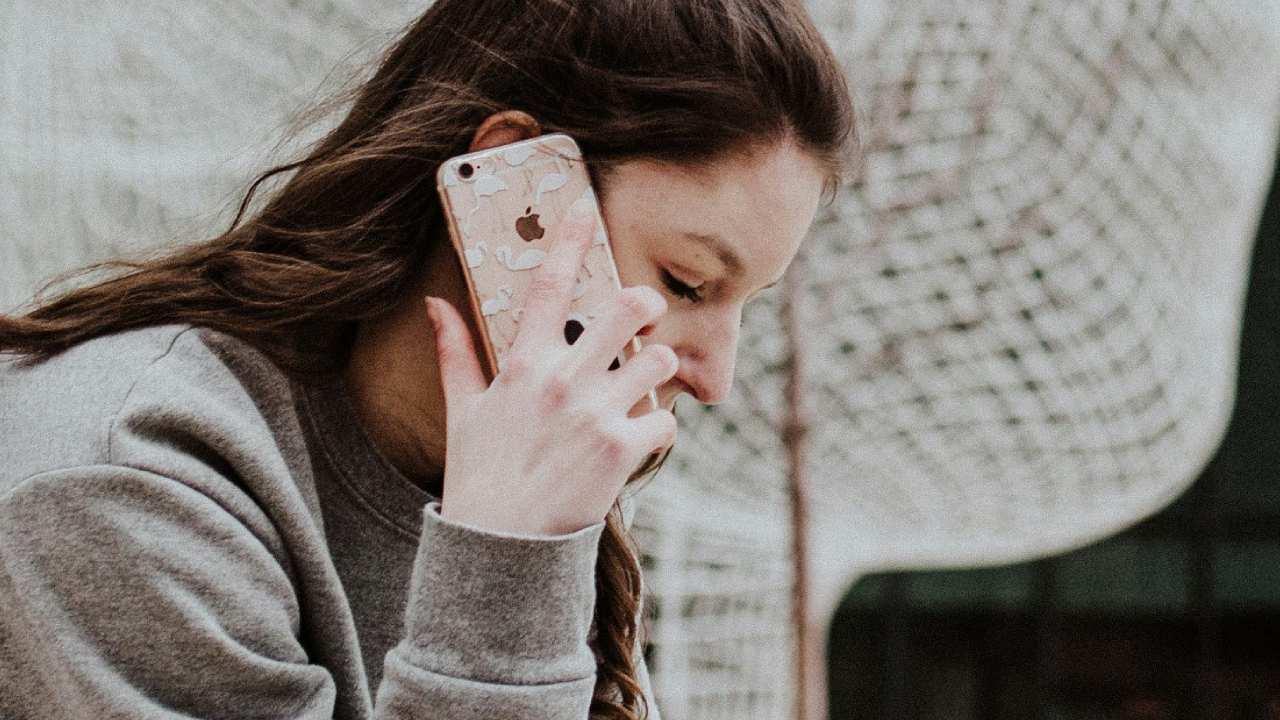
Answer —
(708, 355)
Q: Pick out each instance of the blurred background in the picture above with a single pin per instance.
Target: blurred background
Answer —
(1177, 616)
(1029, 348)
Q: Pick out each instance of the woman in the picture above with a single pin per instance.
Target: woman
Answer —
(245, 479)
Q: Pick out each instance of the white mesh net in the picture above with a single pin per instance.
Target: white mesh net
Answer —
(1021, 322)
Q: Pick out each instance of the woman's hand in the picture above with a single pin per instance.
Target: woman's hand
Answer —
(546, 448)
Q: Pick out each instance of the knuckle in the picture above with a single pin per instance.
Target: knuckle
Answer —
(555, 394)
(609, 445)
(613, 448)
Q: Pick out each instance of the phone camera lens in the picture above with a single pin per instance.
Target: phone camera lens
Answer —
(465, 170)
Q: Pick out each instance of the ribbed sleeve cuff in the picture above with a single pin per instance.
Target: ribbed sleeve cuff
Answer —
(503, 608)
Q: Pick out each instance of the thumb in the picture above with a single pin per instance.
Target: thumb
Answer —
(460, 370)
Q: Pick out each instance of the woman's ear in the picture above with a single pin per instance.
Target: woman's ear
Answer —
(504, 128)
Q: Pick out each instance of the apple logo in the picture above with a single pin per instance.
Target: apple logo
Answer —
(527, 226)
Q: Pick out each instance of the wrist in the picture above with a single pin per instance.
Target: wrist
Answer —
(485, 519)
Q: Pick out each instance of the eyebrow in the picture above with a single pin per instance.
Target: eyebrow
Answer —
(722, 250)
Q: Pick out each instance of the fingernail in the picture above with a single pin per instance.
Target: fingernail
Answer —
(433, 313)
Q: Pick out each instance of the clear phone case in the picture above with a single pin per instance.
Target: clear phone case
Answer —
(500, 205)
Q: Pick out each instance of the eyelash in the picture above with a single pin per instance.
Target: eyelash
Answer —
(679, 288)
(686, 292)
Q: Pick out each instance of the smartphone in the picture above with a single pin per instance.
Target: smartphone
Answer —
(500, 205)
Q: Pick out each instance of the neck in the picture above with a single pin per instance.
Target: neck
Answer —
(394, 378)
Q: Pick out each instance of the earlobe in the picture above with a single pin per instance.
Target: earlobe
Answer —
(504, 128)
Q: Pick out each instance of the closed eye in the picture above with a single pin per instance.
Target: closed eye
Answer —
(689, 293)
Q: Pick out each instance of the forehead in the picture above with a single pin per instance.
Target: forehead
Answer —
(760, 203)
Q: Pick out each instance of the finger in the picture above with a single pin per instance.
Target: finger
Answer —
(649, 368)
(460, 370)
(625, 315)
(550, 292)
(653, 432)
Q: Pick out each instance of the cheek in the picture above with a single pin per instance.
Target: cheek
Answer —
(625, 256)
(636, 267)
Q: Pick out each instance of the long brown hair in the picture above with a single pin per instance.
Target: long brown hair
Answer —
(347, 236)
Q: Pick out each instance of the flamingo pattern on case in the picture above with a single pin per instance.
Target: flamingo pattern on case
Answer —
(475, 254)
(528, 258)
(517, 155)
(532, 186)
(549, 183)
(497, 304)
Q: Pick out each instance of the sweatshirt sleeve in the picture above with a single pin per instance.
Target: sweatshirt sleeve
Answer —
(128, 594)
(507, 642)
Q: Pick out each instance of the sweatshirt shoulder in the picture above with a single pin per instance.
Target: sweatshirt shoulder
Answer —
(136, 397)
(58, 413)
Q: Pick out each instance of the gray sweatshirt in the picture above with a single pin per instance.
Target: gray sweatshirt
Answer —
(185, 531)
